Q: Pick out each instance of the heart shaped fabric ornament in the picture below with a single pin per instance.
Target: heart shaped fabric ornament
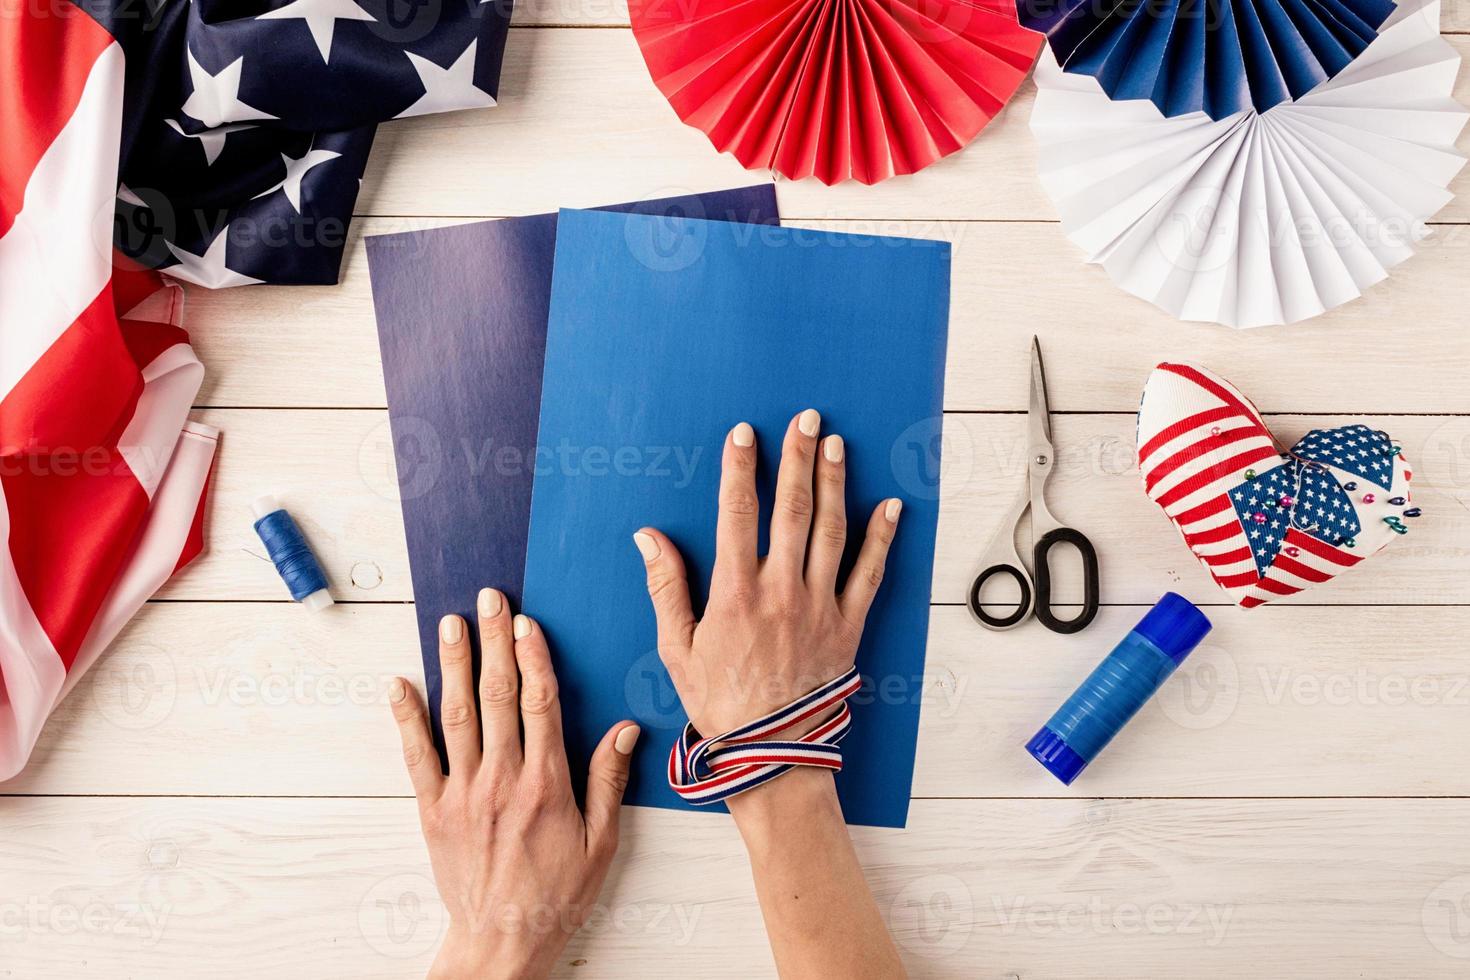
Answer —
(1265, 523)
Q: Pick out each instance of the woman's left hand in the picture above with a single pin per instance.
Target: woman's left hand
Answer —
(518, 865)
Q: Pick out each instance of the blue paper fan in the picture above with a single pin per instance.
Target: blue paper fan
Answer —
(1215, 56)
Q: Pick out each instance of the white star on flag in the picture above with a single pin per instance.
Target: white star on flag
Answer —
(211, 140)
(216, 98)
(209, 269)
(447, 88)
(321, 18)
(296, 169)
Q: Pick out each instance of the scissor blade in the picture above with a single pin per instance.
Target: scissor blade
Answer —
(1039, 411)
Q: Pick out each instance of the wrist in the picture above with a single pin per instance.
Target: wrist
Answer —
(466, 956)
(806, 795)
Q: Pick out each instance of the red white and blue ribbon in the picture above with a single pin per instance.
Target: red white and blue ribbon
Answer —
(707, 770)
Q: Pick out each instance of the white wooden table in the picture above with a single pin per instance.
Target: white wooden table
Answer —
(223, 796)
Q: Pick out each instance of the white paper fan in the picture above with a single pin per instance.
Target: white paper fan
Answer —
(1267, 218)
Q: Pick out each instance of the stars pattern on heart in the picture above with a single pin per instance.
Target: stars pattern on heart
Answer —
(1287, 496)
(1356, 449)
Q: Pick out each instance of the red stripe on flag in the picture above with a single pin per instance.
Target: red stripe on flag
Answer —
(47, 55)
(1321, 548)
(1192, 452)
(1180, 428)
(1237, 580)
(1203, 511)
(79, 394)
(73, 520)
(1219, 471)
(1213, 387)
(1227, 558)
(194, 541)
(1278, 587)
(1215, 534)
(1286, 563)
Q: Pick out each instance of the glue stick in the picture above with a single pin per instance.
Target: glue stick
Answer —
(1118, 687)
(291, 555)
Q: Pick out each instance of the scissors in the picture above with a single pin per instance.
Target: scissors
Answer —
(1003, 558)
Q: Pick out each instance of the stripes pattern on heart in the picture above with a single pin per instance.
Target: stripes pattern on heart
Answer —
(1264, 522)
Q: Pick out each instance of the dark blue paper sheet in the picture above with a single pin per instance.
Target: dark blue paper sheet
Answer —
(462, 324)
(656, 347)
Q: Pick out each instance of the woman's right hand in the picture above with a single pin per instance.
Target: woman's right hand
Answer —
(775, 628)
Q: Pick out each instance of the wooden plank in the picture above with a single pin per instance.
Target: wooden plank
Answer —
(333, 469)
(318, 346)
(1071, 888)
(1351, 701)
(1455, 17)
(531, 152)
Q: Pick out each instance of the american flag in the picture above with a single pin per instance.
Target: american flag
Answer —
(1264, 523)
(222, 140)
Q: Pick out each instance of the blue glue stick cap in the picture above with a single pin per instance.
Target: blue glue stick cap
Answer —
(1119, 687)
(1173, 625)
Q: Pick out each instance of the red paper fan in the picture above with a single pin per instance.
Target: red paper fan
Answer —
(836, 89)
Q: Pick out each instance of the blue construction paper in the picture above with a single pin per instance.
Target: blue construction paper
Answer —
(656, 347)
(462, 324)
(1214, 56)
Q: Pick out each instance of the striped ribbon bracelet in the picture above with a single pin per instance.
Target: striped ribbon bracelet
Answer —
(707, 770)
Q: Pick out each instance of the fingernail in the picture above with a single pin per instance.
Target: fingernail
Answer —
(397, 691)
(490, 603)
(626, 739)
(809, 422)
(892, 510)
(832, 449)
(647, 546)
(743, 435)
(451, 629)
(522, 627)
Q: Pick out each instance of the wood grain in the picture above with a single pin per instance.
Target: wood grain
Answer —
(1277, 702)
(334, 470)
(985, 889)
(267, 346)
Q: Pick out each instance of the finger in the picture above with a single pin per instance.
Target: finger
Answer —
(791, 514)
(829, 522)
(668, 587)
(867, 574)
(500, 709)
(738, 528)
(457, 706)
(418, 746)
(607, 778)
(540, 706)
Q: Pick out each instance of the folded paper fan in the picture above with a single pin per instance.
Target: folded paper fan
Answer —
(1259, 218)
(1213, 56)
(836, 89)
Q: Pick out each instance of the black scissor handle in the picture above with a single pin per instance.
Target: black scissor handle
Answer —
(1021, 611)
(1043, 580)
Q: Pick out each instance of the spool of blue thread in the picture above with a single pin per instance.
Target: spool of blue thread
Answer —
(1118, 687)
(291, 555)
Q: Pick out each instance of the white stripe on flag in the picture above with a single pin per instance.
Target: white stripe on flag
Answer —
(57, 256)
